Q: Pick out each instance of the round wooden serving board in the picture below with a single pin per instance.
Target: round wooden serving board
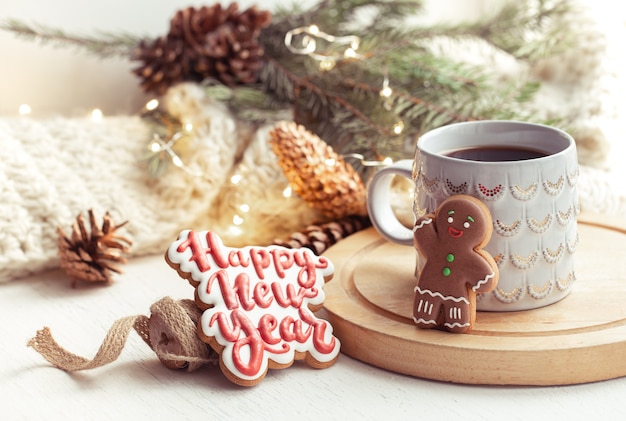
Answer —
(580, 339)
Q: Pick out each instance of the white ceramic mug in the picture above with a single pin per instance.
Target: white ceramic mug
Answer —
(532, 200)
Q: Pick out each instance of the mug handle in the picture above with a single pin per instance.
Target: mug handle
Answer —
(379, 204)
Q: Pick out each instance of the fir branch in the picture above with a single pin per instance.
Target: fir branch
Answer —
(530, 31)
(526, 30)
(428, 91)
(103, 45)
(403, 103)
(306, 91)
(249, 103)
(424, 70)
(278, 81)
(347, 16)
(343, 105)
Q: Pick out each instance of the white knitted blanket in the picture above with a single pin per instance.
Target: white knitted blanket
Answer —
(53, 169)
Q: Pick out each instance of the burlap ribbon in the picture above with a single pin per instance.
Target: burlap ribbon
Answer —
(170, 331)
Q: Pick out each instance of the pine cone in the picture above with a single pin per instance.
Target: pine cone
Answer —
(209, 42)
(316, 173)
(90, 256)
(318, 238)
(162, 64)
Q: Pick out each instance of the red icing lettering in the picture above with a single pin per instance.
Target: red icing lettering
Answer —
(199, 254)
(267, 325)
(215, 248)
(319, 332)
(233, 295)
(261, 338)
(251, 338)
(237, 258)
(291, 330)
(283, 260)
(260, 260)
(291, 297)
(239, 292)
(307, 275)
(300, 330)
(261, 295)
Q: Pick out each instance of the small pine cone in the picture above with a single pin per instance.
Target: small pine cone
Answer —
(209, 42)
(316, 172)
(89, 256)
(162, 65)
(318, 238)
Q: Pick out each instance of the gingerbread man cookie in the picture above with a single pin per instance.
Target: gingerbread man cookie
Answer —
(456, 267)
(258, 304)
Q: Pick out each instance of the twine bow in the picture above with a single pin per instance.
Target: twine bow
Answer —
(170, 331)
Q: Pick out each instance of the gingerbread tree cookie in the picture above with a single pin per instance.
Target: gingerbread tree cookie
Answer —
(451, 241)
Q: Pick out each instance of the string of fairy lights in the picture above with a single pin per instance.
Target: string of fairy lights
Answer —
(309, 38)
(324, 48)
(327, 50)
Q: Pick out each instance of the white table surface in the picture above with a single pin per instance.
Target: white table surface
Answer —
(138, 386)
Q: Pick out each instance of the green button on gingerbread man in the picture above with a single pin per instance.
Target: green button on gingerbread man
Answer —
(446, 270)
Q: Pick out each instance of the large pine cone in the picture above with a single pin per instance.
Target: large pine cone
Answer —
(209, 42)
(316, 172)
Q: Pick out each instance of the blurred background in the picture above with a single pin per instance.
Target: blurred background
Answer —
(68, 82)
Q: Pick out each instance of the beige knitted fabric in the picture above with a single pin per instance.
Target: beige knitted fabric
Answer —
(53, 169)
(240, 151)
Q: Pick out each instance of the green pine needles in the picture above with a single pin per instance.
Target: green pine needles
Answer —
(401, 80)
(348, 106)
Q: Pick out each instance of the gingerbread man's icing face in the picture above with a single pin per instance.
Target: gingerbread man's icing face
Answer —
(462, 222)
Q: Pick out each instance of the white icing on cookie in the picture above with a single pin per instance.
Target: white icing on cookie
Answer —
(422, 223)
(440, 295)
(483, 281)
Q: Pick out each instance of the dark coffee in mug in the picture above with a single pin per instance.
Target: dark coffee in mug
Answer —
(499, 153)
